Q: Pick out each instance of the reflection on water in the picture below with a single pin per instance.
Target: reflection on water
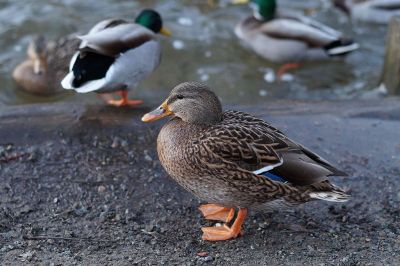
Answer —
(203, 47)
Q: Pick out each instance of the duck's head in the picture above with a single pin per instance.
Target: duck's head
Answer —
(151, 19)
(263, 9)
(33, 74)
(193, 102)
(37, 54)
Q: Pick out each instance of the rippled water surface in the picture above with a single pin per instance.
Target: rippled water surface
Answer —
(203, 47)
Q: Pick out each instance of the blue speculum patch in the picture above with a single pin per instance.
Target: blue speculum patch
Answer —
(273, 177)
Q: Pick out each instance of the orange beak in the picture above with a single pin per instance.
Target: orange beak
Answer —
(158, 113)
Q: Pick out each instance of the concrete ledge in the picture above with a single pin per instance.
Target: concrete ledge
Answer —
(83, 185)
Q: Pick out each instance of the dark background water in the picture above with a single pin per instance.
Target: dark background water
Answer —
(203, 47)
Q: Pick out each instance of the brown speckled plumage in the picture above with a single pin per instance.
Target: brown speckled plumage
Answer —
(54, 58)
(234, 160)
(216, 161)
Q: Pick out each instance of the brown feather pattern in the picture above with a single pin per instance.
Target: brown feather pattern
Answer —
(216, 162)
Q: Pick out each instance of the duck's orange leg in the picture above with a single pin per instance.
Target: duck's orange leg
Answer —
(219, 233)
(124, 101)
(284, 68)
(217, 213)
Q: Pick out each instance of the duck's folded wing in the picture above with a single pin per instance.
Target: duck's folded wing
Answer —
(294, 15)
(104, 24)
(112, 41)
(311, 32)
(253, 145)
(234, 161)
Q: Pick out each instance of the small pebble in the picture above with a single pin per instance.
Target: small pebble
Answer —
(101, 189)
(27, 256)
(202, 254)
(115, 143)
(208, 258)
(148, 158)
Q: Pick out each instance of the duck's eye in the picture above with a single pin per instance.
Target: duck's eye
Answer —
(179, 97)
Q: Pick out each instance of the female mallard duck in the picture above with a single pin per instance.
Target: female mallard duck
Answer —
(375, 11)
(45, 65)
(235, 160)
(115, 56)
(281, 36)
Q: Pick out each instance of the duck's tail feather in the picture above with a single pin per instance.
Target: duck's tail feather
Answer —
(341, 47)
(87, 72)
(334, 196)
(66, 83)
(325, 190)
(89, 67)
(93, 85)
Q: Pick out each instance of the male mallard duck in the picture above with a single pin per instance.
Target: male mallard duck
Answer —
(375, 11)
(235, 160)
(116, 55)
(281, 36)
(45, 65)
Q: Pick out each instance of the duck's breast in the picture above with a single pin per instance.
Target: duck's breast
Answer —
(173, 147)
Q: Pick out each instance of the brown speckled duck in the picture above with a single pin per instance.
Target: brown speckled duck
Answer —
(45, 66)
(233, 160)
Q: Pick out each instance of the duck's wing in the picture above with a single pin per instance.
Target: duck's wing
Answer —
(311, 32)
(251, 144)
(113, 37)
(294, 15)
(228, 157)
(104, 24)
(108, 23)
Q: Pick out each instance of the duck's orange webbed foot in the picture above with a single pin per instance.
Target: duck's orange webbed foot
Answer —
(284, 68)
(124, 101)
(217, 213)
(219, 233)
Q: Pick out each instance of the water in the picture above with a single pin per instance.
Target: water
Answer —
(203, 47)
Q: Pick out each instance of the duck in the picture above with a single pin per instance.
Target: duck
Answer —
(115, 56)
(286, 37)
(373, 11)
(234, 161)
(45, 65)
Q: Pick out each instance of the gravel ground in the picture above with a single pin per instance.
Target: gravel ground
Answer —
(82, 185)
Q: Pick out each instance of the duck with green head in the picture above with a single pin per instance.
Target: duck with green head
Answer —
(115, 56)
(282, 36)
(232, 159)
